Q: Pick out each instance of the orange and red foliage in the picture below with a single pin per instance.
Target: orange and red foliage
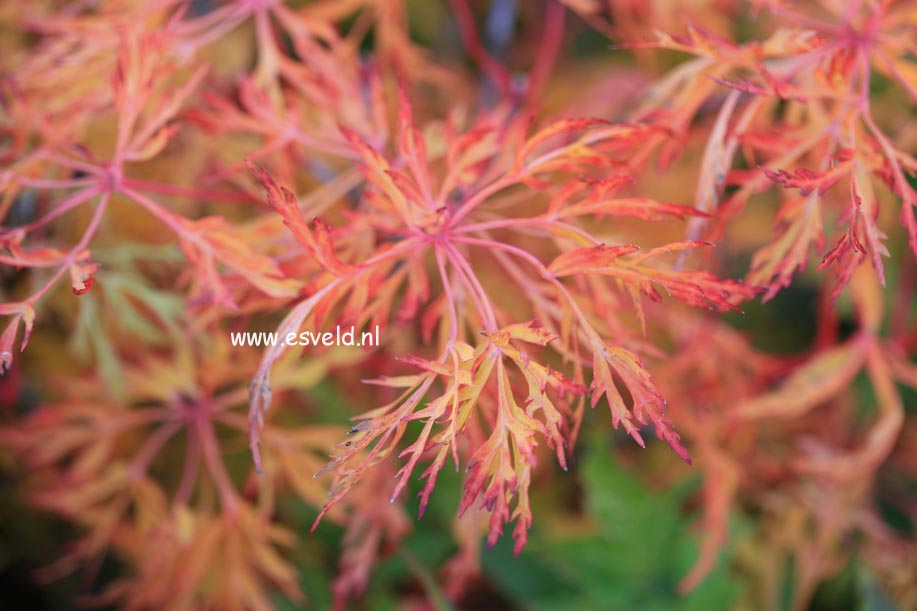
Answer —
(194, 169)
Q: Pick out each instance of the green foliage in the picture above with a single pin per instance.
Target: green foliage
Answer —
(640, 548)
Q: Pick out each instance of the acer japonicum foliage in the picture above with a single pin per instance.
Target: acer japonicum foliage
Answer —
(544, 237)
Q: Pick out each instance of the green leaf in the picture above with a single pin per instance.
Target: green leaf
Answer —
(639, 549)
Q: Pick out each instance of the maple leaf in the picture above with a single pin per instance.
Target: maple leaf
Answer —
(210, 240)
(797, 228)
(698, 288)
(493, 476)
(316, 241)
(808, 181)
(81, 277)
(453, 207)
(820, 378)
(862, 237)
(21, 313)
(120, 502)
(648, 403)
(600, 203)
(241, 554)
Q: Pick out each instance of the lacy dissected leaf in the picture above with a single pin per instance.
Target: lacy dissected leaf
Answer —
(647, 403)
(863, 237)
(695, 288)
(213, 240)
(232, 561)
(820, 378)
(81, 276)
(809, 181)
(446, 206)
(797, 228)
(499, 470)
(20, 313)
(635, 207)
